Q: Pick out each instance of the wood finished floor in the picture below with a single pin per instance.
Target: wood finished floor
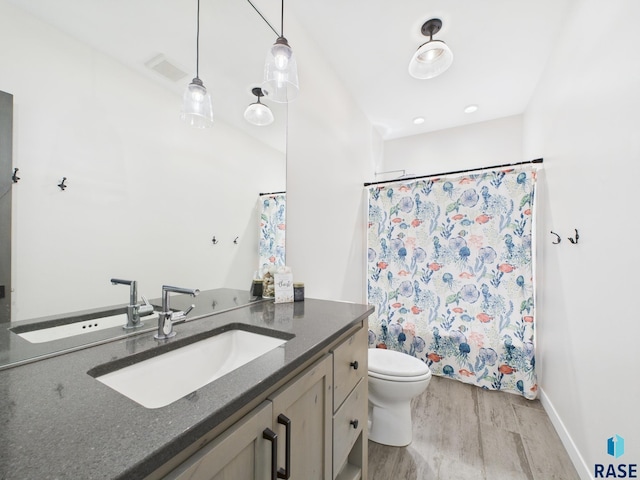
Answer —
(463, 432)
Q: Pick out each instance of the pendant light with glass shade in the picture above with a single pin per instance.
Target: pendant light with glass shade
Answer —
(280, 69)
(197, 109)
(258, 113)
(433, 57)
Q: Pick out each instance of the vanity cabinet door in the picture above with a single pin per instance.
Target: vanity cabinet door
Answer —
(304, 407)
(240, 453)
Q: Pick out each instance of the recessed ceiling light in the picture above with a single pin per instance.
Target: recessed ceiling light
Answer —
(418, 120)
(470, 108)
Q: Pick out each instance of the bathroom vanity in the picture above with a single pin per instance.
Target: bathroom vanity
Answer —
(300, 409)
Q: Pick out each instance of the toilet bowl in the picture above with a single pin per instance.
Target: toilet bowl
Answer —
(394, 379)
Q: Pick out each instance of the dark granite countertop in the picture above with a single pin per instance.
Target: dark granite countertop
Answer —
(57, 421)
(14, 350)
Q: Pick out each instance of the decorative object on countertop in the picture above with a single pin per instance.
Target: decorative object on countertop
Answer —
(268, 287)
(298, 292)
(256, 287)
(283, 285)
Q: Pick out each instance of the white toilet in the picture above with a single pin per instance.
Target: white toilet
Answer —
(394, 379)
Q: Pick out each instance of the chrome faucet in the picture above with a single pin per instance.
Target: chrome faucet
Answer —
(167, 318)
(134, 309)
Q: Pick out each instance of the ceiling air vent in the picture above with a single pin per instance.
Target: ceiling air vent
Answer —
(164, 67)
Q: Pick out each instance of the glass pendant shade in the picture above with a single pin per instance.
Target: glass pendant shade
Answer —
(430, 60)
(281, 73)
(197, 109)
(258, 114)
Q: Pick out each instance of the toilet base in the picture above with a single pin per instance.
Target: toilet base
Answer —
(391, 425)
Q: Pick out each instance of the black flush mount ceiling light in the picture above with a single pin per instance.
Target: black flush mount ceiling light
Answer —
(433, 57)
(258, 113)
(280, 69)
(197, 110)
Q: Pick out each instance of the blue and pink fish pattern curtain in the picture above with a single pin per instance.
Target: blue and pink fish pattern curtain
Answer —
(272, 230)
(450, 273)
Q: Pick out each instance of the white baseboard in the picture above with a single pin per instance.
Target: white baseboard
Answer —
(576, 458)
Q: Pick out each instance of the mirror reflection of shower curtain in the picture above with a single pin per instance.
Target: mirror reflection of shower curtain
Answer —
(6, 185)
(450, 272)
(272, 230)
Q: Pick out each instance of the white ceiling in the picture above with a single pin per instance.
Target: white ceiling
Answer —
(500, 49)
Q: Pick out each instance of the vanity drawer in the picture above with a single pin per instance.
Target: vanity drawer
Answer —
(349, 365)
(348, 423)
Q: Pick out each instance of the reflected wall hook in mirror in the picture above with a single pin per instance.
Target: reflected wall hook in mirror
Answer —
(213, 240)
(62, 185)
(575, 239)
(236, 240)
(558, 239)
(15, 176)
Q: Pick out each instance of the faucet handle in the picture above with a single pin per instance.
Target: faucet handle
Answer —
(181, 316)
(145, 308)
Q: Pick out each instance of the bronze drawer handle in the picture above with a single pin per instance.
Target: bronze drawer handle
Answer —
(270, 435)
(354, 423)
(285, 472)
(354, 364)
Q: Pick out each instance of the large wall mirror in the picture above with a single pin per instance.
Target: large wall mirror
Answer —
(97, 90)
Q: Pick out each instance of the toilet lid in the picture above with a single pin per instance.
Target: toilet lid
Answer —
(396, 364)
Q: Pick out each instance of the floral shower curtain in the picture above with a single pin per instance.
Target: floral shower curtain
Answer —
(450, 273)
(272, 230)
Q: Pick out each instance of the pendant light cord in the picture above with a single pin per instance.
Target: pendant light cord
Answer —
(282, 20)
(262, 16)
(198, 43)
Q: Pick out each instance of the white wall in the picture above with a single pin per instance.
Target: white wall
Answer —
(585, 120)
(331, 150)
(495, 142)
(145, 193)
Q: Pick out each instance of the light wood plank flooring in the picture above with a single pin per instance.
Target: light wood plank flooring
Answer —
(463, 432)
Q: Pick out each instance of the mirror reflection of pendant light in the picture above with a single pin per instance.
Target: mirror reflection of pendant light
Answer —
(258, 113)
(197, 110)
(280, 69)
(433, 57)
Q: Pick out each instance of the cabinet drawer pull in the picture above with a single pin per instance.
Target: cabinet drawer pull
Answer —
(354, 364)
(354, 423)
(270, 435)
(286, 472)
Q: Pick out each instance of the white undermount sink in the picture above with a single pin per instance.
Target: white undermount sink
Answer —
(165, 378)
(78, 328)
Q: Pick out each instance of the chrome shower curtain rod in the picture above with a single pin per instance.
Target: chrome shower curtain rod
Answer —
(537, 160)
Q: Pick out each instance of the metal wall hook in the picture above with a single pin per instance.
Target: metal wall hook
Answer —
(575, 239)
(558, 239)
(213, 240)
(15, 176)
(62, 185)
(236, 240)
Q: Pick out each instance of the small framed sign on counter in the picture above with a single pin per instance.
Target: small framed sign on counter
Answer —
(283, 287)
